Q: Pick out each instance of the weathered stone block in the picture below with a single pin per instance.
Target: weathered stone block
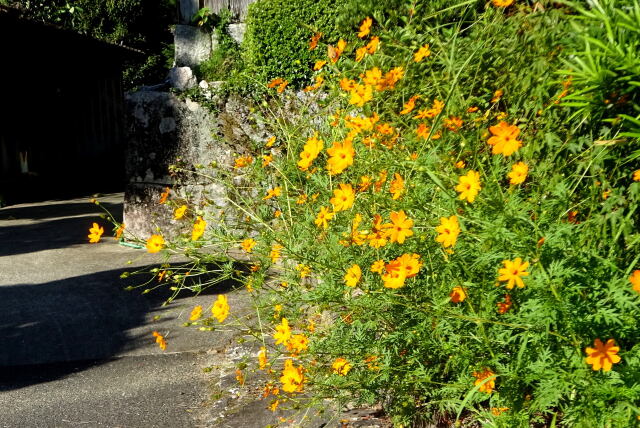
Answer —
(192, 45)
(237, 31)
(182, 78)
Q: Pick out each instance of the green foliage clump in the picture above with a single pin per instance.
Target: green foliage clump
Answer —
(278, 34)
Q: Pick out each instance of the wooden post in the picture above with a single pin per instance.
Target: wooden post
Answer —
(188, 8)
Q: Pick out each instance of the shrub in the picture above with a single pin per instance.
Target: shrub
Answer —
(436, 234)
(277, 39)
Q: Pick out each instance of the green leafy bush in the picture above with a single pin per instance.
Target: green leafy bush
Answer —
(278, 33)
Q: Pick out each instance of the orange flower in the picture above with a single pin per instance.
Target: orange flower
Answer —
(266, 160)
(488, 385)
(243, 161)
(220, 309)
(602, 356)
(313, 43)
(504, 139)
(341, 157)
(436, 109)
(360, 94)
(512, 272)
(353, 275)
(248, 244)
(397, 186)
(409, 105)
(120, 231)
(469, 186)
(270, 142)
(334, 52)
(262, 358)
(407, 264)
(458, 295)
(378, 266)
(504, 306)
(318, 65)
(273, 193)
(636, 175)
(297, 343)
(275, 82)
(498, 94)
(399, 228)
(95, 233)
(472, 109)
(155, 243)
(518, 173)
(422, 53)
(160, 340)
(343, 197)
(635, 280)
(502, 3)
(196, 313)
(275, 252)
(360, 53)
(347, 84)
(164, 195)
(365, 28)
(198, 228)
(448, 230)
(341, 366)
(283, 332)
(377, 237)
(323, 217)
(373, 44)
(453, 123)
(292, 378)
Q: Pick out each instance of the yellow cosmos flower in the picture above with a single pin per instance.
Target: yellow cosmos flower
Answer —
(248, 244)
(602, 356)
(360, 53)
(283, 332)
(468, 186)
(512, 272)
(448, 231)
(377, 266)
(487, 386)
(518, 173)
(341, 366)
(323, 217)
(634, 279)
(297, 343)
(373, 45)
(342, 155)
(310, 152)
(270, 142)
(95, 232)
(502, 3)
(304, 270)
(275, 252)
(196, 313)
(220, 309)
(504, 140)
(243, 161)
(458, 295)
(198, 228)
(266, 160)
(119, 231)
(365, 27)
(292, 378)
(378, 236)
(394, 279)
(353, 275)
(179, 212)
(453, 123)
(436, 109)
(313, 43)
(162, 343)
(636, 175)
(262, 358)
(343, 198)
(318, 65)
(400, 227)
(422, 53)
(407, 264)
(273, 193)
(397, 186)
(155, 243)
(360, 94)
(409, 105)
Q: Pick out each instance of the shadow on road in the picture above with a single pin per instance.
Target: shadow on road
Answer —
(50, 330)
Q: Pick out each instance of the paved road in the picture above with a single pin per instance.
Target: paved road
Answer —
(75, 348)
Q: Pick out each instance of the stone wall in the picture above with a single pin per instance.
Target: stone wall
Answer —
(165, 130)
